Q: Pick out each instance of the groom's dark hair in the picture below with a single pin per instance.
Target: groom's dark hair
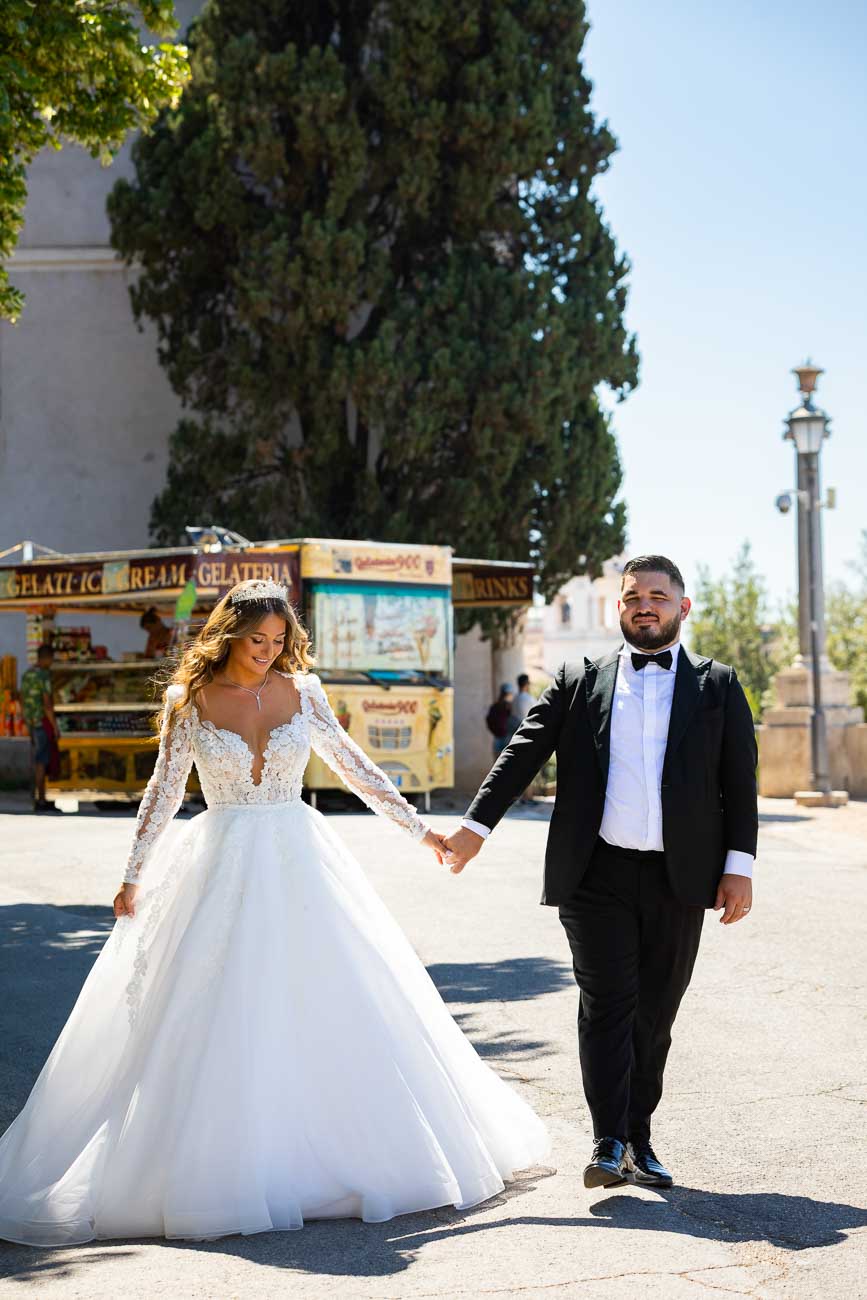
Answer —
(654, 564)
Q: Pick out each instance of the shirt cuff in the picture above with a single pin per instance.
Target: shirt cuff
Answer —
(477, 827)
(739, 863)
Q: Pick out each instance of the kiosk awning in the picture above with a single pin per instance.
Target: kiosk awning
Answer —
(128, 580)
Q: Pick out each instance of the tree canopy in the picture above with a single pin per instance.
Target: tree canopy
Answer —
(382, 284)
(733, 623)
(75, 70)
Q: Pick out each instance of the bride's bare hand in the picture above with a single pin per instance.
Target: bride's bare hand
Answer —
(124, 900)
(435, 842)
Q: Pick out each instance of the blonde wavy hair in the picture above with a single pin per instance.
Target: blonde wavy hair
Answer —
(228, 621)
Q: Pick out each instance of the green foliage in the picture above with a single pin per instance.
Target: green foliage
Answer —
(732, 623)
(783, 645)
(75, 70)
(846, 627)
(380, 282)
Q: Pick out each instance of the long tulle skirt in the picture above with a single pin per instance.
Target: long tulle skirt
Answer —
(259, 1045)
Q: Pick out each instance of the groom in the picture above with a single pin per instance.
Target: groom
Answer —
(655, 820)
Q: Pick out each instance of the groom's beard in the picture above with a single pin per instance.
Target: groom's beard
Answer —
(652, 635)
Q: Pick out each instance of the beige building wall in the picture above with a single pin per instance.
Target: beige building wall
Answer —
(581, 621)
(473, 698)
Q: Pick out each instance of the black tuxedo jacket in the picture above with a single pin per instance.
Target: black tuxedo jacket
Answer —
(709, 800)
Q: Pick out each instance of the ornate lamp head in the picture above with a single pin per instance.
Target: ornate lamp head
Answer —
(808, 377)
(807, 426)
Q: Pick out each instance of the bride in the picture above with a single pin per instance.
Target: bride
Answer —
(257, 1043)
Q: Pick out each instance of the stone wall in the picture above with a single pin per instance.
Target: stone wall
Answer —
(856, 748)
(785, 757)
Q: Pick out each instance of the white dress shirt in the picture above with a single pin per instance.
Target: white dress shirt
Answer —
(641, 709)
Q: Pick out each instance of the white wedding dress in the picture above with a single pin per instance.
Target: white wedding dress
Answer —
(260, 1044)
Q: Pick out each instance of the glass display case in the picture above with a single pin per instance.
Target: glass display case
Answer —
(379, 628)
(384, 650)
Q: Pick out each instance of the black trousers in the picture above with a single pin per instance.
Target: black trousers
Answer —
(633, 949)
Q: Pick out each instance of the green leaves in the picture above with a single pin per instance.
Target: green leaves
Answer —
(380, 280)
(75, 70)
(733, 623)
(846, 625)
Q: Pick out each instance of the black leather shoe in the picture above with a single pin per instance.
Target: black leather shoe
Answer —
(646, 1169)
(608, 1164)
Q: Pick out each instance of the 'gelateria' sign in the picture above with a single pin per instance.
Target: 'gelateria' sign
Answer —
(49, 582)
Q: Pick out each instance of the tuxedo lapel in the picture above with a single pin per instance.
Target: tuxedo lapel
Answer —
(601, 677)
(692, 671)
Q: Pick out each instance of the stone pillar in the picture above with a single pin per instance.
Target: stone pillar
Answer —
(785, 759)
(856, 749)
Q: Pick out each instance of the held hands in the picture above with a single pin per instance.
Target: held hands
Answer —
(435, 842)
(124, 900)
(461, 846)
(456, 849)
(735, 895)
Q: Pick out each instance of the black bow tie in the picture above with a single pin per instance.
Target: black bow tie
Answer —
(663, 659)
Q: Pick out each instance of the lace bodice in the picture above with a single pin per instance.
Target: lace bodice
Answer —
(224, 763)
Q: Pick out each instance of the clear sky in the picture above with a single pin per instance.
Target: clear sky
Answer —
(740, 196)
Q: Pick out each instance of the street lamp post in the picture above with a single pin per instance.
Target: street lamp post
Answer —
(807, 427)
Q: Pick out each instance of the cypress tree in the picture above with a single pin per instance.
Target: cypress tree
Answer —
(382, 285)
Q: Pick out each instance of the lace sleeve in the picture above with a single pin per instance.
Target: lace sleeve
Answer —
(165, 790)
(349, 761)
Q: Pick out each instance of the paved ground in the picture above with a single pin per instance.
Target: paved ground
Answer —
(763, 1120)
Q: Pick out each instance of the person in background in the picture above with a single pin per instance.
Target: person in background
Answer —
(523, 701)
(159, 635)
(500, 722)
(37, 703)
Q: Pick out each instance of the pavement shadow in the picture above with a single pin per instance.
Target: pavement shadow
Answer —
(46, 953)
(790, 1222)
(350, 1248)
(515, 979)
(333, 1247)
(38, 1264)
(505, 1043)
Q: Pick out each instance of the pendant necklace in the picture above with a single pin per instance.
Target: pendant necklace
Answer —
(249, 689)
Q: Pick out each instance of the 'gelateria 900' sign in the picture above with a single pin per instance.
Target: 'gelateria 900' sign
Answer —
(63, 582)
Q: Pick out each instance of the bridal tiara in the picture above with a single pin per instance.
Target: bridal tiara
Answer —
(261, 589)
